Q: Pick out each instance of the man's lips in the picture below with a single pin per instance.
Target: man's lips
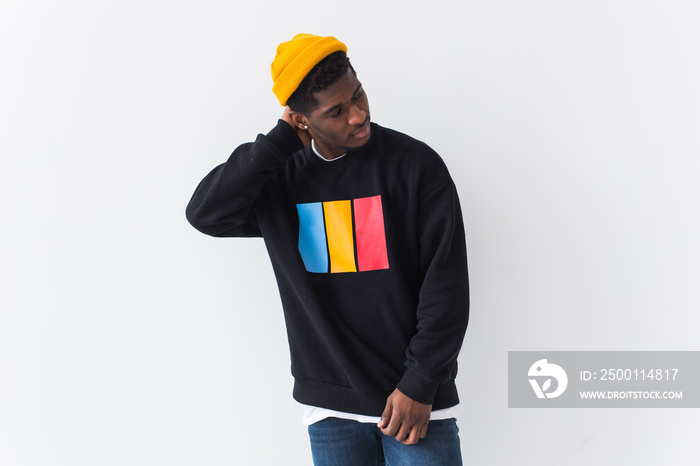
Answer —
(362, 132)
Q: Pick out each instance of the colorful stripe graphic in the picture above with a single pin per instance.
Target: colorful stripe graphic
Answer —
(312, 237)
(329, 241)
(369, 227)
(341, 246)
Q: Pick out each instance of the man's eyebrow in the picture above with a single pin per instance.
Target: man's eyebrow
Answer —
(335, 107)
(332, 109)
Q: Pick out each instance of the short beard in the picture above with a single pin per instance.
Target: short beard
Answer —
(364, 147)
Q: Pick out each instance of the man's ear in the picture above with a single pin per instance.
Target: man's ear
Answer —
(298, 119)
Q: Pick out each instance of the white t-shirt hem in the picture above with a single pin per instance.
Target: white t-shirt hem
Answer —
(313, 414)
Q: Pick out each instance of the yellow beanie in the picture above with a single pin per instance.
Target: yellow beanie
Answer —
(294, 60)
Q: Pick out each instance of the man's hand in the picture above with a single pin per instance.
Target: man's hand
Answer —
(301, 132)
(404, 419)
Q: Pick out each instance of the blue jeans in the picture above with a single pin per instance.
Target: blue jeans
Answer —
(340, 442)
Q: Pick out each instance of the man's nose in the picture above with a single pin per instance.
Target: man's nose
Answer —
(357, 115)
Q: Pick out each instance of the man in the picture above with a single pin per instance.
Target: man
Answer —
(364, 230)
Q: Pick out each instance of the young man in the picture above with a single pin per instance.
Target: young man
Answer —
(364, 230)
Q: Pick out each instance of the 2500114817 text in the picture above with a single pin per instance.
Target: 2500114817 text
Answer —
(630, 374)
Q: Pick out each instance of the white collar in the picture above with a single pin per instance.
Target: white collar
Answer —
(313, 147)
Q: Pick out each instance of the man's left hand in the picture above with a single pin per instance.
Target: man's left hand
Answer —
(405, 419)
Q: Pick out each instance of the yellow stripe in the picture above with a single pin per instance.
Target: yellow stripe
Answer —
(339, 232)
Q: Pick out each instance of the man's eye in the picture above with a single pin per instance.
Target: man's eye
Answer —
(358, 96)
(335, 114)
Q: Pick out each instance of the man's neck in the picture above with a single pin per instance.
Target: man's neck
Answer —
(322, 157)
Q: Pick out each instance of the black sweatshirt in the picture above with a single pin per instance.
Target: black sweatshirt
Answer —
(370, 258)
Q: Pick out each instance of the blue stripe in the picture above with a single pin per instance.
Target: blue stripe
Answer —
(312, 237)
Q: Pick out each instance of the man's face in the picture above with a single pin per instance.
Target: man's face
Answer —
(341, 120)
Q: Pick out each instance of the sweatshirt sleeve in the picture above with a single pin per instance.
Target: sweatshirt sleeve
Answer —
(221, 204)
(443, 304)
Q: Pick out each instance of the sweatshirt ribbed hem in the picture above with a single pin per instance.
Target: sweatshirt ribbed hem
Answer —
(346, 399)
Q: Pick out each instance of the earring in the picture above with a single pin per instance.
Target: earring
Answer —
(306, 127)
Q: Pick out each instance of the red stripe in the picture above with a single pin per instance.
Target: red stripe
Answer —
(369, 234)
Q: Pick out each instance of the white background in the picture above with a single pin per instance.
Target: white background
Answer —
(571, 129)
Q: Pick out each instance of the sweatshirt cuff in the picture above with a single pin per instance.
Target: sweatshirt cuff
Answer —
(284, 137)
(417, 388)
